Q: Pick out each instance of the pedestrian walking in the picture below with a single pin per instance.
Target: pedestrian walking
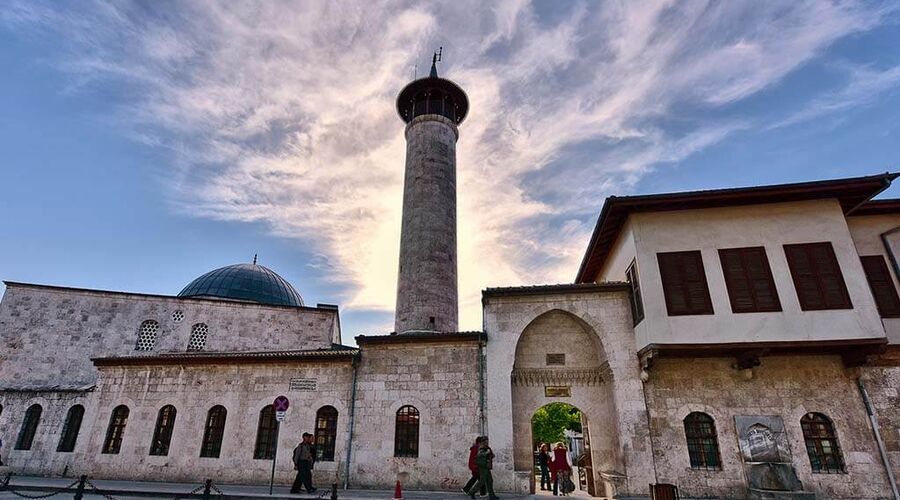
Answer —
(560, 468)
(304, 458)
(473, 468)
(485, 462)
(544, 464)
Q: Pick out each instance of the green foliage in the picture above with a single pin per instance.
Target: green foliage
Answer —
(549, 422)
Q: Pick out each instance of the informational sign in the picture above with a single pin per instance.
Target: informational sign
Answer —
(557, 391)
(281, 404)
(303, 384)
(279, 415)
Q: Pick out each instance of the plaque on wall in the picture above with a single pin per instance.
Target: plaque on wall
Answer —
(557, 359)
(303, 384)
(762, 439)
(557, 391)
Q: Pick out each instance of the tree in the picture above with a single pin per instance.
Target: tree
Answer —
(550, 421)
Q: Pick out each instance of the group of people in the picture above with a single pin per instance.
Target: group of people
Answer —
(481, 461)
(556, 469)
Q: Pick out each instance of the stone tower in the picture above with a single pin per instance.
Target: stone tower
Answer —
(427, 297)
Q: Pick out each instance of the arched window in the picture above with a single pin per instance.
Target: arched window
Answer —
(70, 429)
(116, 430)
(266, 434)
(29, 427)
(326, 433)
(213, 432)
(147, 334)
(406, 432)
(197, 342)
(703, 447)
(822, 444)
(162, 433)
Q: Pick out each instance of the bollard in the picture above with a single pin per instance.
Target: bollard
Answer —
(206, 489)
(79, 490)
(334, 491)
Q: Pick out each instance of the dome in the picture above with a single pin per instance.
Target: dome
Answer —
(250, 282)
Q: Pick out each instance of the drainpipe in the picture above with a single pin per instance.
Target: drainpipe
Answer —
(352, 414)
(481, 368)
(874, 421)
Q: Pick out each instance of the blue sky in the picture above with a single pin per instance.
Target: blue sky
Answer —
(147, 143)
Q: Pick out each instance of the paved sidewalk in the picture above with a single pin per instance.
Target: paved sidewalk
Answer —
(33, 485)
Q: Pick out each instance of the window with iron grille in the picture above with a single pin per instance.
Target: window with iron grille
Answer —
(406, 432)
(29, 427)
(703, 446)
(749, 281)
(162, 433)
(266, 434)
(684, 283)
(637, 302)
(71, 427)
(213, 432)
(882, 286)
(116, 430)
(817, 277)
(147, 334)
(822, 444)
(197, 341)
(326, 433)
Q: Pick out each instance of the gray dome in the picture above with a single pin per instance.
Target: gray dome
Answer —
(250, 282)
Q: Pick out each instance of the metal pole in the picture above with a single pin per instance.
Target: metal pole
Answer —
(274, 455)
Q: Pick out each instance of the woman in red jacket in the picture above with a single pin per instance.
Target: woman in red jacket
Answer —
(473, 467)
(561, 465)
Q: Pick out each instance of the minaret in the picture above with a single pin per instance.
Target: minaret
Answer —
(427, 298)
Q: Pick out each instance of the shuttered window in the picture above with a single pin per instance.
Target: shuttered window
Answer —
(817, 277)
(882, 286)
(684, 283)
(637, 302)
(749, 280)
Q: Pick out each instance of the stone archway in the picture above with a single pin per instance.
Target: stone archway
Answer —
(559, 358)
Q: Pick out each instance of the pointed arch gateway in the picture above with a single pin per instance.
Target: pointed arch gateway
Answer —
(559, 359)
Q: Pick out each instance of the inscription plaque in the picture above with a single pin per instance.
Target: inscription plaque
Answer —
(303, 384)
(558, 359)
(557, 391)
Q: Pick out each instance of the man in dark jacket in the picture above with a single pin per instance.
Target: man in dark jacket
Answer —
(473, 467)
(304, 458)
(485, 462)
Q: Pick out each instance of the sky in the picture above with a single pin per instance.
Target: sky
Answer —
(145, 143)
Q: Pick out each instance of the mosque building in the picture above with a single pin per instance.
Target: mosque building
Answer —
(737, 343)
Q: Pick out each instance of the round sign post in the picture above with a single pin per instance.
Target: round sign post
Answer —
(280, 405)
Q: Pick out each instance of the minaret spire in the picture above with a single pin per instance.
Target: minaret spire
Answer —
(434, 60)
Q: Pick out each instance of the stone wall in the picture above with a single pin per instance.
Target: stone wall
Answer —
(883, 385)
(243, 389)
(49, 334)
(43, 458)
(784, 386)
(441, 380)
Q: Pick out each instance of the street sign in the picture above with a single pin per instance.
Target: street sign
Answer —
(281, 404)
(279, 416)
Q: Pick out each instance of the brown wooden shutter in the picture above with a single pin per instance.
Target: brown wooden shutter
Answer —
(817, 277)
(748, 278)
(882, 286)
(684, 283)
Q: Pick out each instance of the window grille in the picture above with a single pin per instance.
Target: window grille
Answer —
(197, 342)
(703, 445)
(326, 433)
(406, 435)
(266, 434)
(178, 316)
(71, 427)
(162, 433)
(147, 336)
(822, 444)
(116, 430)
(684, 283)
(213, 432)
(29, 427)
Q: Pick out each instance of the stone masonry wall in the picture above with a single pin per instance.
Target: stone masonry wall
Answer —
(48, 335)
(784, 386)
(243, 390)
(441, 381)
(883, 385)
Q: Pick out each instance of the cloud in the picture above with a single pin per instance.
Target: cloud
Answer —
(282, 112)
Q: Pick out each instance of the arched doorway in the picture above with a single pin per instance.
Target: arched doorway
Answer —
(559, 359)
(561, 430)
